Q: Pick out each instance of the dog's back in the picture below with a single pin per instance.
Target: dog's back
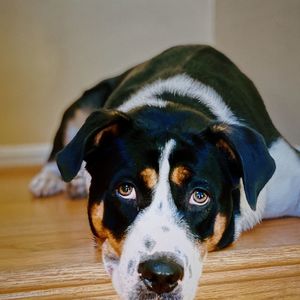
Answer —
(199, 77)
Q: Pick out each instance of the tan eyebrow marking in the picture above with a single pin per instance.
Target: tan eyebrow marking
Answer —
(150, 177)
(180, 174)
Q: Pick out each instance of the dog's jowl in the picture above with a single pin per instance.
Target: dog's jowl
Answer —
(179, 156)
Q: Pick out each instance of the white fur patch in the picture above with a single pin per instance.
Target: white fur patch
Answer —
(248, 218)
(79, 186)
(283, 190)
(181, 85)
(156, 230)
(73, 124)
(70, 132)
(47, 182)
(136, 102)
(281, 195)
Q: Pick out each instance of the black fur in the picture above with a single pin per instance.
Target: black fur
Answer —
(143, 132)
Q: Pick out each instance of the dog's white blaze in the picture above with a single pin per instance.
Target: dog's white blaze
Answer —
(160, 225)
(181, 85)
(162, 191)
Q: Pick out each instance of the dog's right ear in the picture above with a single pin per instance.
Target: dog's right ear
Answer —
(102, 121)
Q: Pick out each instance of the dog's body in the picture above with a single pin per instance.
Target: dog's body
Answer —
(183, 157)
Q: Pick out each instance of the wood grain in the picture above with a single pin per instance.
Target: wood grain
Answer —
(47, 252)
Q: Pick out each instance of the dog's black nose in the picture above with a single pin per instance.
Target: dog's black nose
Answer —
(160, 275)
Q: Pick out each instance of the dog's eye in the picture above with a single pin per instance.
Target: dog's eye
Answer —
(126, 191)
(199, 197)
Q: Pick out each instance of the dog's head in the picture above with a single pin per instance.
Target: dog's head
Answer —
(164, 191)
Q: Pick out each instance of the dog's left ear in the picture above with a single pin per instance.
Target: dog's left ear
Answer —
(100, 122)
(249, 148)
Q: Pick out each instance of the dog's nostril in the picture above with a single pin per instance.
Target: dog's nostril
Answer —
(160, 275)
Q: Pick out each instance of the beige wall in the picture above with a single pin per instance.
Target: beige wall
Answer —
(51, 50)
(263, 38)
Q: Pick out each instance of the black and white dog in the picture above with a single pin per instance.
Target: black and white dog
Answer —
(182, 157)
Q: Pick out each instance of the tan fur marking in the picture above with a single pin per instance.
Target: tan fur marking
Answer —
(96, 214)
(150, 177)
(219, 228)
(221, 144)
(79, 117)
(76, 122)
(113, 129)
(180, 174)
(220, 128)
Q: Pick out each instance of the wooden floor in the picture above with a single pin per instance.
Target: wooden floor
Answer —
(46, 252)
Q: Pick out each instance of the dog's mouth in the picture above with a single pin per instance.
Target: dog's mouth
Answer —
(142, 293)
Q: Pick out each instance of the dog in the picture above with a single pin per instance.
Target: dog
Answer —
(179, 156)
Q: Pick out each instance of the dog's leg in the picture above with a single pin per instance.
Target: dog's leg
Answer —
(79, 186)
(48, 181)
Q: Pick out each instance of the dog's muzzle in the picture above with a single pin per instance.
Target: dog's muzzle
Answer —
(160, 275)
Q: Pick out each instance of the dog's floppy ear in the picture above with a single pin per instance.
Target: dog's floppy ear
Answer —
(249, 148)
(70, 158)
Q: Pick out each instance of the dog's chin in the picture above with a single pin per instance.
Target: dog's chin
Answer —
(142, 293)
(109, 258)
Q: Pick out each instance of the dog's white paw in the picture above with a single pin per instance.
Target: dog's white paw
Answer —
(78, 187)
(48, 182)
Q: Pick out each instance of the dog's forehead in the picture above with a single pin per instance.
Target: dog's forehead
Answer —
(172, 160)
(139, 156)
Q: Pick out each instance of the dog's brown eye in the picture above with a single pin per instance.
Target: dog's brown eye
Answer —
(199, 197)
(126, 191)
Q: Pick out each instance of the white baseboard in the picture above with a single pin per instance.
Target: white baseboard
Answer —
(24, 155)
